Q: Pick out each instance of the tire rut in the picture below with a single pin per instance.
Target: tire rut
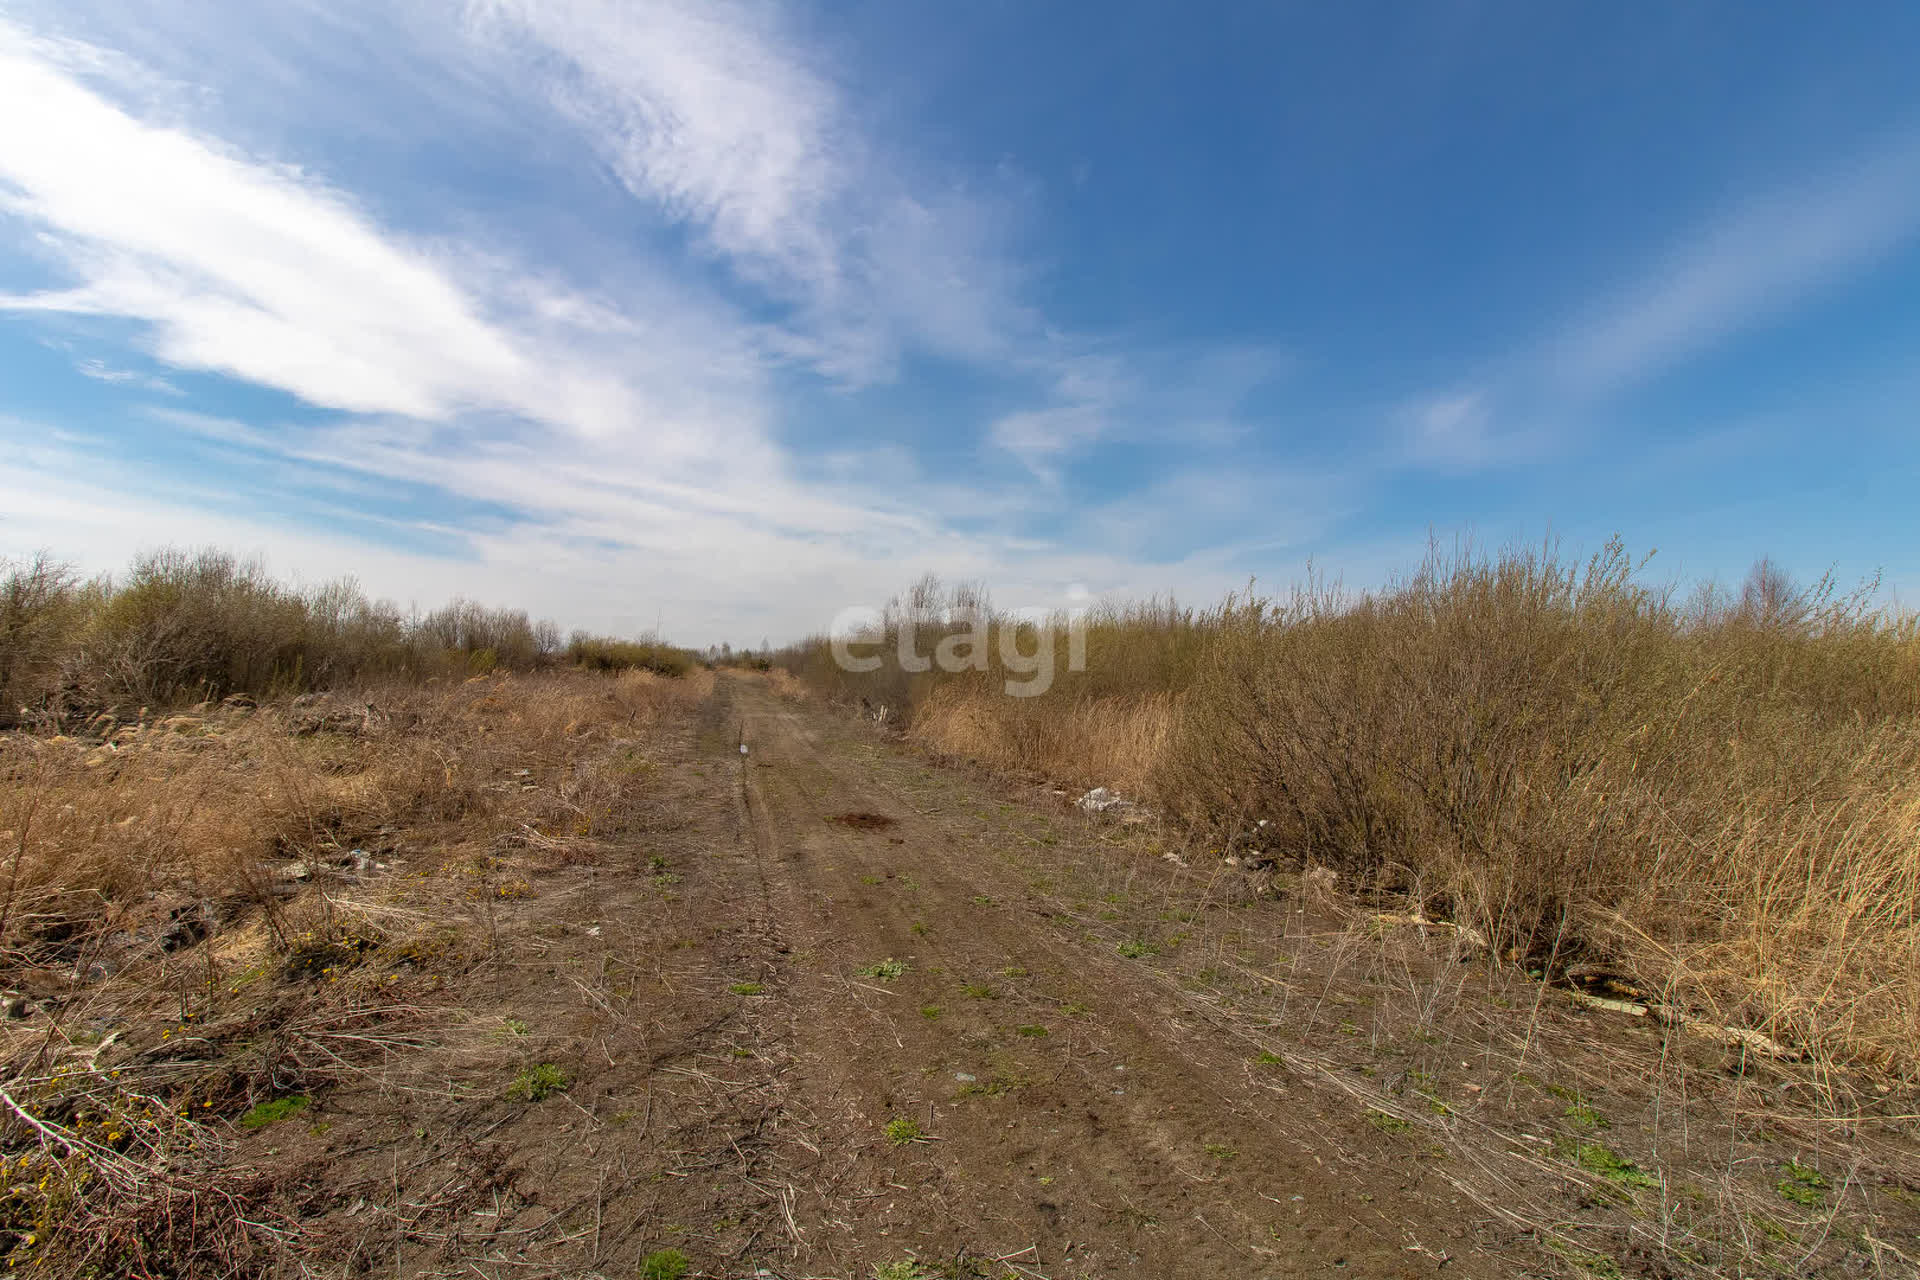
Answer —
(1076, 1120)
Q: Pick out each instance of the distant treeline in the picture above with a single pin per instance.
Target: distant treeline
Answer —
(183, 626)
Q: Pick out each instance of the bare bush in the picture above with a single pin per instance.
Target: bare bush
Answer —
(41, 608)
(1718, 797)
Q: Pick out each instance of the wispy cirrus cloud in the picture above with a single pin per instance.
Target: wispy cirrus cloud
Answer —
(1194, 395)
(616, 420)
(705, 109)
(713, 113)
(101, 371)
(254, 270)
(1741, 266)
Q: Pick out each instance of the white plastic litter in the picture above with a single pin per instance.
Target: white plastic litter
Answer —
(1112, 804)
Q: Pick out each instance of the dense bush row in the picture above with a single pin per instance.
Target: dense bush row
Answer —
(183, 626)
(1720, 792)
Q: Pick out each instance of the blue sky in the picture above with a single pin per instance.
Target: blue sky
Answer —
(729, 316)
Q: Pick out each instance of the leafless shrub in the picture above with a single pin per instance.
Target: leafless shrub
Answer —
(1718, 796)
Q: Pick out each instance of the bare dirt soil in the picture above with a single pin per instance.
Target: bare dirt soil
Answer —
(832, 1009)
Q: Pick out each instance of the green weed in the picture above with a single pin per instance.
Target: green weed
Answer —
(1802, 1184)
(266, 1113)
(1386, 1121)
(537, 1083)
(1603, 1161)
(665, 1264)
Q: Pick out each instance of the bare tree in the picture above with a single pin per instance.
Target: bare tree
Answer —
(1769, 597)
(970, 602)
(925, 599)
(36, 612)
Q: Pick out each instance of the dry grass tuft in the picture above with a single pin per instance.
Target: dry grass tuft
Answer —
(784, 683)
(1108, 741)
(137, 831)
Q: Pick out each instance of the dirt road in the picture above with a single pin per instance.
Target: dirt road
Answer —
(829, 1009)
(1080, 1116)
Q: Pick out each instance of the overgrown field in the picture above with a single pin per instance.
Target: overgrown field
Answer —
(181, 627)
(1716, 798)
(210, 917)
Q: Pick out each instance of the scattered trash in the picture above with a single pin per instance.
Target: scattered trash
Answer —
(1744, 1038)
(1113, 804)
(1609, 1005)
(1470, 938)
(1733, 1037)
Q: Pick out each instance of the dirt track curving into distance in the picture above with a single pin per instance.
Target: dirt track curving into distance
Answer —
(1079, 1116)
(834, 1010)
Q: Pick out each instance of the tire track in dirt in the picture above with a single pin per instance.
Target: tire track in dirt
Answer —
(1080, 1121)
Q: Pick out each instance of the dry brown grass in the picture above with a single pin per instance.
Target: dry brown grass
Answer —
(180, 626)
(1716, 804)
(785, 684)
(1101, 741)
(1718, 799)
(186, 904)
(101, 833)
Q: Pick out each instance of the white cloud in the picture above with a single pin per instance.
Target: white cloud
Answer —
(1193, 396)
(710, 111)
(592, 547)
(261, 272)
(1744, 266)
(704, 107)
(1450, 428)
(622, 438)
(101, 371)
(1040, 438)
